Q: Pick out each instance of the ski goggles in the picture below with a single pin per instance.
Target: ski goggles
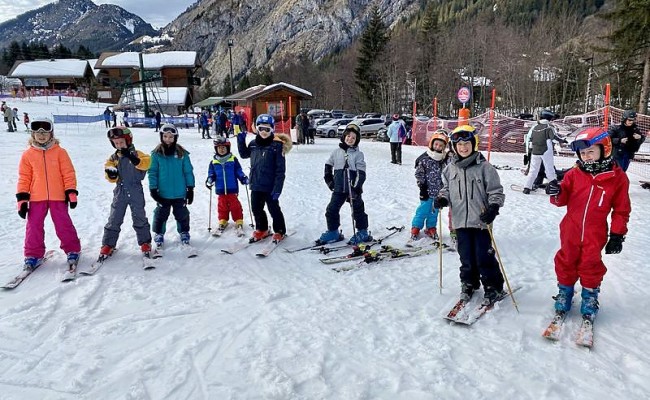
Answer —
(170, 130)
(461, 136)
(41, 127)
(352, 128)
(264, 129)
(117, 133)
(581, 144)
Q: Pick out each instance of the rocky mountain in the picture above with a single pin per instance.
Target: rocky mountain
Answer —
(266, 32)
(76, 22)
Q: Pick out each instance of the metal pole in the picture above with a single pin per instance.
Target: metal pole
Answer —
(503, 270)
(231, 43)
(589, 81)
(144, 86)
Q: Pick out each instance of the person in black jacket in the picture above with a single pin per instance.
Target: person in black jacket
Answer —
(626, 139)
(267, 174)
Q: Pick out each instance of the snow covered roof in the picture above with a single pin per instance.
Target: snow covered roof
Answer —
(70, 68)
(150, 61)
(160, 95)
(259, 90)
(92, 65)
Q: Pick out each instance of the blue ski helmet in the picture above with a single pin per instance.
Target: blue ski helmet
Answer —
(265, 119)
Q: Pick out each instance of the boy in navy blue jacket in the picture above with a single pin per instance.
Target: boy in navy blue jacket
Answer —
(268, 167)
(223, 172)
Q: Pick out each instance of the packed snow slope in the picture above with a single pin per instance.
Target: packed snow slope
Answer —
(287, 327)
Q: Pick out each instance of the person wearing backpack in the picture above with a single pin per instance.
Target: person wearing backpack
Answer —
(541, 141)
(396, 132)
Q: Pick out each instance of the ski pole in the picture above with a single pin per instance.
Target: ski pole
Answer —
(250, 211)
(347, 178)
(440, 249)
(503, 271)
(210, 213)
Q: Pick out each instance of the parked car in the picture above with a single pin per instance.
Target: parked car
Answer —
(368, 126)
(319, 114)
(328, 129)
(339, 113)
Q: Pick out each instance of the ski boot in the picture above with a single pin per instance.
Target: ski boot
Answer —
(239, 229)
(330, 237)
(223, 224)
(106, 251)
(492, 295)
(185, 238)
(146, 250)
(361, 236)
(466, 292)
(432, 233)
(31, 263)
(589, 307)
(277, 237)
(415, 232)
(73, 259)
(563, 299)
(259, 235)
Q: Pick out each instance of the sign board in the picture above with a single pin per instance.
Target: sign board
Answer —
(464, 94)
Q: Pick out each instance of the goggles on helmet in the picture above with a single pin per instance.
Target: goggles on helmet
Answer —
(582, 144)
(117, 133)
(461, 136)
(262, 128)
(41, 126)
(169, 129)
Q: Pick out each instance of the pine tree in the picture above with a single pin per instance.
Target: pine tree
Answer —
(631, 43)
(373, 42)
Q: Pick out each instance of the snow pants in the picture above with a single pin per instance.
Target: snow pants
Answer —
(477, 261)
(536, 162)
(123, 197)
(258, 199)
(623, 161)
(396, 152)
(580, 260)
(425, 214)
(181, 214)
(228, 204)
(63, 226)
(333, 212)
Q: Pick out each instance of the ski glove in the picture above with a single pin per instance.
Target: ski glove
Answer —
(329, 177)
(424, 192)
(71, 197)
(155, 194)
(440, 202)
(132, 156)
(244, 180)
(209, 183)
(525, 159)
(275, 196)
(488, 216)
(615, 244)
(23, 204)
(111, 172)
(553, 188)
(189, 195)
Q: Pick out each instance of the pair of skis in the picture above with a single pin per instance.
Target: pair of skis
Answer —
(269, 245)
(326, 248)
(468, 312)
(239, 231)
(584, 336)
(375, 256)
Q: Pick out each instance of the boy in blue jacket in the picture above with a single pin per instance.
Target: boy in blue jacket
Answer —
(223, 172)
(171, 183)
(268, 167)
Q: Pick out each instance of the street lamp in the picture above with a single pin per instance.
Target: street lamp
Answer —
(589, 60)
(231, 43)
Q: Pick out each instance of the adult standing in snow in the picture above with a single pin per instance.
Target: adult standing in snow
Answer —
(107, 117)
(626, 139)
(472, 188)
(47, 183)
(299, 128)
(9, 115)
(590, 191)
(126, 118)
(396, 133)
(541, 138)
(268, 166)
(158, 120)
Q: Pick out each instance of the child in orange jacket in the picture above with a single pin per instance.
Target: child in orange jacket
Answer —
(46, 183)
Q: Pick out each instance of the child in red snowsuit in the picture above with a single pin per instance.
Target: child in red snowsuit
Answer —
(590, 190)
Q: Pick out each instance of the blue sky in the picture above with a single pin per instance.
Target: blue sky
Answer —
(156, 12)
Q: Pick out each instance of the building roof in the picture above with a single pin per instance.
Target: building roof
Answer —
(210, 101)
(159, 95)
(64, 68)
(185, 59)
(261, 90)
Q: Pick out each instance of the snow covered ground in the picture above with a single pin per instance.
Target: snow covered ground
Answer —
(287, 327)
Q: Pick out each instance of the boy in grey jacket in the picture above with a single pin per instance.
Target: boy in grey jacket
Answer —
(345, 173)
(472, 188)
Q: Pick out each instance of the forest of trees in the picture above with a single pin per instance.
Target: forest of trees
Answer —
(534, 53)
(38, 51)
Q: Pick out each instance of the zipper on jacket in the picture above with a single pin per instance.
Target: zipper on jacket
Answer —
(225, 184)
(47, 181)
(584, 216)
(466, 197)
(602, 196)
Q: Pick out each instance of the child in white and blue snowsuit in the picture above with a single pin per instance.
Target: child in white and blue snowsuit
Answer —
(171, 184)
(472, 188)
(428, 175)
(345, 173)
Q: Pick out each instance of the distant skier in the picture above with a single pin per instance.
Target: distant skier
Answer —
(626, 139)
